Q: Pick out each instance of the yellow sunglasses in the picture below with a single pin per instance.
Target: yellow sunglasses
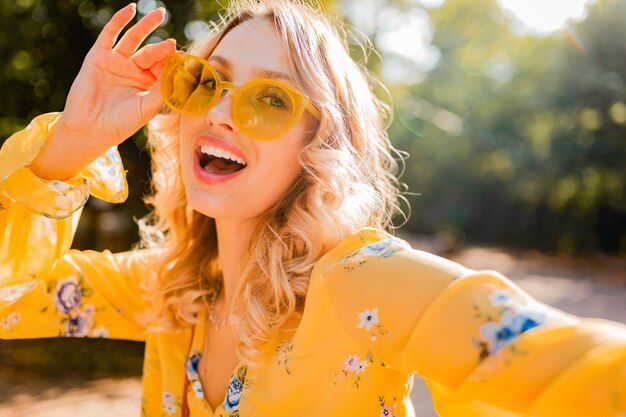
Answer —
(262, 109)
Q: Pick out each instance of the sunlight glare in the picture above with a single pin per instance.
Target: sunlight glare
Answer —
(545, 16)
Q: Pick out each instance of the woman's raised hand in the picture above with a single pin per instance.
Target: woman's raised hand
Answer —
(114, 94)
(116, 90)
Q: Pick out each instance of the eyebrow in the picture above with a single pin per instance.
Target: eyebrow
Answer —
(260, 72)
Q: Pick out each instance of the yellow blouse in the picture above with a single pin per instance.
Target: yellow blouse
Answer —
(377, 312)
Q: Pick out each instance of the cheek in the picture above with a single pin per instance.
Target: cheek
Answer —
(279, 168)
(188, 125)
(185, 157)
(282, 158)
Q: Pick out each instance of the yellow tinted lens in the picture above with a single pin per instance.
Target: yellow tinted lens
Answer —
(189, 86)
(264, 111)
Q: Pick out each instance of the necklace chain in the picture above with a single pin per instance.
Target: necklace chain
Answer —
(213, 317)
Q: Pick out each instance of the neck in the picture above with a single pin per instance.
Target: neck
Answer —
(233, 240)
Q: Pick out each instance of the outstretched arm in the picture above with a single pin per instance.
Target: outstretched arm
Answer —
(483, 346)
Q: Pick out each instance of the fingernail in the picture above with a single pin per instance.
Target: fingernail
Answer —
(171, 40)
(161, 9)
(133, 5)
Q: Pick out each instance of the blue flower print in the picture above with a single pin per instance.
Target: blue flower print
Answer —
(192, 364)
(510, 326)
(501, 298)
(381, 249)
(193, 376)
(234, 393)
(235, 388)
(515, 315)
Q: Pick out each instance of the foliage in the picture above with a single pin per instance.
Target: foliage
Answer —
(518, 139)
(37, 71)
(514, 139)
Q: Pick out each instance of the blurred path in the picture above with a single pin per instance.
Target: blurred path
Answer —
(103, 398)
(588, 288)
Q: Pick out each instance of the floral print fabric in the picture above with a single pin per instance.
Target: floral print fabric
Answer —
(195, 395)
(515, 318)
(377, 313)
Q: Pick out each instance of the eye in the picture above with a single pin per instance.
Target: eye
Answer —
(274, 100)
(209, 82)
(267, 97)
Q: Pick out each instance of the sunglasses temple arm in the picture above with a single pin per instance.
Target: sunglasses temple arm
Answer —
(314, 111)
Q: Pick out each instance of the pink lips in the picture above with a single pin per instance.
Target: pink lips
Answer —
(210, 178)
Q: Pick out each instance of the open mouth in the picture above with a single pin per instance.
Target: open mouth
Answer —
(218, 164)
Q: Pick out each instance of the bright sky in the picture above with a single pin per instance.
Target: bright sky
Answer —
(404, 35)
(545, 16)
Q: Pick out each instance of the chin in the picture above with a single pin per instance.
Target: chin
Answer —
(220, 208)
(228, 204)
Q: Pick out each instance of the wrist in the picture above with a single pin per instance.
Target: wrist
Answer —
(64, 154)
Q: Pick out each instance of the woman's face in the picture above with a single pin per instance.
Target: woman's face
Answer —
(271, 165)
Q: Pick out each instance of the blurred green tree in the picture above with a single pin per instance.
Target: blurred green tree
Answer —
(37, 70)
(514, 139)
(518, 139)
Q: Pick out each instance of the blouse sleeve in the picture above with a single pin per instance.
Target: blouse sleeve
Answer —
(46, 289)
(483, 346)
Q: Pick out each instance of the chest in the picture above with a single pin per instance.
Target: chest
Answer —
(217, 362)
(306, 374)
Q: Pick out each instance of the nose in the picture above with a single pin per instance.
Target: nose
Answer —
(220, 115)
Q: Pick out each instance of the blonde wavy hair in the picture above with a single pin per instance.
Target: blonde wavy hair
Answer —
(348, 180)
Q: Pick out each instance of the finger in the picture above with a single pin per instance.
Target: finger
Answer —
(149, 55)
(151, 101)
(126, 73)
(114, 27)
(156, 69)
(139, 32)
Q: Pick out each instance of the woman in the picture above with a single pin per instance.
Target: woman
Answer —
(266, 284)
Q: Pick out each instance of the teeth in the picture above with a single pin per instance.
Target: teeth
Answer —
(221, 153)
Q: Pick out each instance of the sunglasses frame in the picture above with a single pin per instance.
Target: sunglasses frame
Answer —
(300, 101)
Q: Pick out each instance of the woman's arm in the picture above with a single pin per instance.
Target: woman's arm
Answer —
(483, 346)
(46, 289)
(47, 172)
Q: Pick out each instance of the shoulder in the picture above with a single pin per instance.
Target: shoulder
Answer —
(370, 251)
(374, 287)
(373, 269)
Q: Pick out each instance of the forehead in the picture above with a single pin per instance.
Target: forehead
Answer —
(252, 44)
